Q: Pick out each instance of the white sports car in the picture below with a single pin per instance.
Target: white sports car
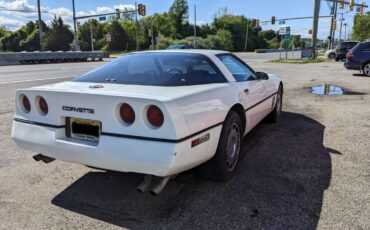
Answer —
(156, 113)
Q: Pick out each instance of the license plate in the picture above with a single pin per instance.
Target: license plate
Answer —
(83, 129)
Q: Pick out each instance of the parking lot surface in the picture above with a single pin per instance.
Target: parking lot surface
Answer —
(310, 170)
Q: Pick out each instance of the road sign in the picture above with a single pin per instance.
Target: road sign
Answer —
(102, 18)
(109, 38)
(285, 30)
(282, 22)
(287, 38)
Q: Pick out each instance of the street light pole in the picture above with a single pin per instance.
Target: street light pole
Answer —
(345, 31)
(195, 26)
(246, 37)
(137, 28)
(40, 27)
(340, 29)
(315, 26)
(91, 36)
(74, 27)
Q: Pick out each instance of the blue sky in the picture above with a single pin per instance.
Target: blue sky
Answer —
(206, 9)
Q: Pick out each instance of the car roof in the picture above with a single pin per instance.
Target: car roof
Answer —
(192, 51)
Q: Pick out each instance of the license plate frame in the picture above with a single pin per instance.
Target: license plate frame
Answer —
(83, 129)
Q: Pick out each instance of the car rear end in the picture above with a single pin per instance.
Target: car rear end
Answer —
(343, 49)
(125, 132)
(358, 56)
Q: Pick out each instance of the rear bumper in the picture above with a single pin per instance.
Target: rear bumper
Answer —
(341, 55)
(115, 153)
(352, 65)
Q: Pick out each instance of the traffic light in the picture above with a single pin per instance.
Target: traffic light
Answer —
(310, 31)
(351, 5)
(78, 26)
(254, 22)
(141, 9)
(257, 23)
(273, 20)
(334, 25)
(118, 14)
(341, 4)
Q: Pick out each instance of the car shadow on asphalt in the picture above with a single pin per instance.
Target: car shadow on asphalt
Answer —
(280, 184)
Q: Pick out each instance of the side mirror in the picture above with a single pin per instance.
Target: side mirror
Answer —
(262, 76)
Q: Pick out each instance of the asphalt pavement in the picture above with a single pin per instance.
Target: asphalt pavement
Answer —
(308, 171)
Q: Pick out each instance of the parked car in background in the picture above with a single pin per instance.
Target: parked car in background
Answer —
(179, 46)
(358, 58)
(343, 49)
(331, 54)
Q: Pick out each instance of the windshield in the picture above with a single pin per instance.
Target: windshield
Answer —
(159, 69)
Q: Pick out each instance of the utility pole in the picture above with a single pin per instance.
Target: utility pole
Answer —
(340, 29)
(246, 37)
(40, 27)
(195, 27)
(91, 36)
(74, 27)
(335, 5)
(137, 28)
(345, 31)
(315, 26)
(152, 29)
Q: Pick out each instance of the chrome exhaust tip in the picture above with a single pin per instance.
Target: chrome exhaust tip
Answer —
(145, 184)
(160, 186)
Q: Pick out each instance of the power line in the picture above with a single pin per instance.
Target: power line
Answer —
(35, 11)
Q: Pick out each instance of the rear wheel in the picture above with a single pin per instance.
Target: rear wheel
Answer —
(332, 55)
(366, 69)
(224, 164)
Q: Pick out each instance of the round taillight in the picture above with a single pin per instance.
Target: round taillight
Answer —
(43, 106)
(155, 116)
(127, 113)
(26, 104)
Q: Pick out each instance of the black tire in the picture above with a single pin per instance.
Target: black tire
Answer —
(331, 56)
(274, 116)
(366, 69)
(336, 59)
(223, 166)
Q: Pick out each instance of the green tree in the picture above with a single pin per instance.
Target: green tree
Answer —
(268, 34)
(361, 27)
(237, 26)
(119, 36)
(179, 13)
(226, 39)
(98, 35)
(59, 36)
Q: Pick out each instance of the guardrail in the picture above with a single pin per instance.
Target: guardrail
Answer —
(50, 57)
(275, 50)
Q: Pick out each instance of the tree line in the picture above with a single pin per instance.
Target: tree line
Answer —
(226, 32)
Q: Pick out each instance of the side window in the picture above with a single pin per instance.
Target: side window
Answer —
(240, 71)
(367, 48)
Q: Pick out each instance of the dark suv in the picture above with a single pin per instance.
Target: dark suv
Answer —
(358, 58)
(343, 49)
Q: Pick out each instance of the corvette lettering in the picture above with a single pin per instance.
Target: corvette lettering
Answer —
(78, 110)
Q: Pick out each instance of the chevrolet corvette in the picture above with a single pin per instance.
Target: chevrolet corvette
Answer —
(157, 113)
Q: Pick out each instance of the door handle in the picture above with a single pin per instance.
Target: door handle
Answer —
(246, 91)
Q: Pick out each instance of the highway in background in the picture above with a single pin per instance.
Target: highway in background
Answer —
(37, 72)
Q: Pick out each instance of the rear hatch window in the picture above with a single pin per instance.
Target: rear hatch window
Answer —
(157, 69)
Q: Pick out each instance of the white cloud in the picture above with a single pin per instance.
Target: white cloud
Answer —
(21, 11)
(12, 23)
(29, 11)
